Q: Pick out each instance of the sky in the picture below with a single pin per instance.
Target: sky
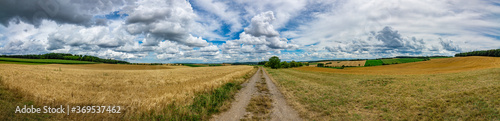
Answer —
(217, 31)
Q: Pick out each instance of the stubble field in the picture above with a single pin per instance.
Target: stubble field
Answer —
(137, 88)
(465, 88)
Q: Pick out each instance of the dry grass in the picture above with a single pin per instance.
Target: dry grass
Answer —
(343, 63)
(137, 88)
(471, 93)
(443, 65)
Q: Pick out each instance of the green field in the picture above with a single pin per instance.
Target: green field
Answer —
(390, 61)
(408, 60)
(194, 65)
(25, 63)
(373, 63)
(41, 61)
(439, 57)
(379, 62)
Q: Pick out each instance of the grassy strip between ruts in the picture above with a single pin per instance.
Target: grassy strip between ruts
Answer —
(260, 104)
(204, 104)
(45, 61)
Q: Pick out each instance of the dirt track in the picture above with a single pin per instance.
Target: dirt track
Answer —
(281, 110)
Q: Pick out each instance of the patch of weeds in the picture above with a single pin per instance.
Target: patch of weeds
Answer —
(420, 90)
(260, 107)
(58, 69)
(385, 110)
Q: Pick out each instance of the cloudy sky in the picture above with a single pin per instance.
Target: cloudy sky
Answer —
(206, 31)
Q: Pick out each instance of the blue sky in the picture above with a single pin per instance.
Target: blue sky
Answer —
(216, 31)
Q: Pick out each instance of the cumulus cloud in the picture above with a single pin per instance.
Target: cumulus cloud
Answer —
(164, 20)
(261, 25)
(261, 29)
(258, 38)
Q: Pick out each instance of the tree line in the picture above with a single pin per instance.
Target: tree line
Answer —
(66, 56)
(275, 63)
(492, 53)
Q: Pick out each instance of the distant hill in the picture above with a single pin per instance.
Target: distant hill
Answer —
(65, 56)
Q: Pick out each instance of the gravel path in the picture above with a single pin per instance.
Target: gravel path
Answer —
(281, 110)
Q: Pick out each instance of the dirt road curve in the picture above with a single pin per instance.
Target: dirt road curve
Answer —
(281, 110)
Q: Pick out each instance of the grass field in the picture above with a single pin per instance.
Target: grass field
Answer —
(460, 89)
(44, 61)
(409, 60)
(313, 64)
(400, 60)
(373, 62)
(11, 62)
(390, 61)
(150, 92)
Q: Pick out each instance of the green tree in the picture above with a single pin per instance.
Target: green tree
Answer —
(307, 63)
(293, 64)
(285, 64)
(274, 62)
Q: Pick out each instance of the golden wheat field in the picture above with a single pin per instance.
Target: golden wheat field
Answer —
(443, 65)
(138, 88)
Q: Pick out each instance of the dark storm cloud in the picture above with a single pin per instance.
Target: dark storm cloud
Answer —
(20, 47)
(448, 45)
(390, 38)
(62, 11)
(393, 41)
